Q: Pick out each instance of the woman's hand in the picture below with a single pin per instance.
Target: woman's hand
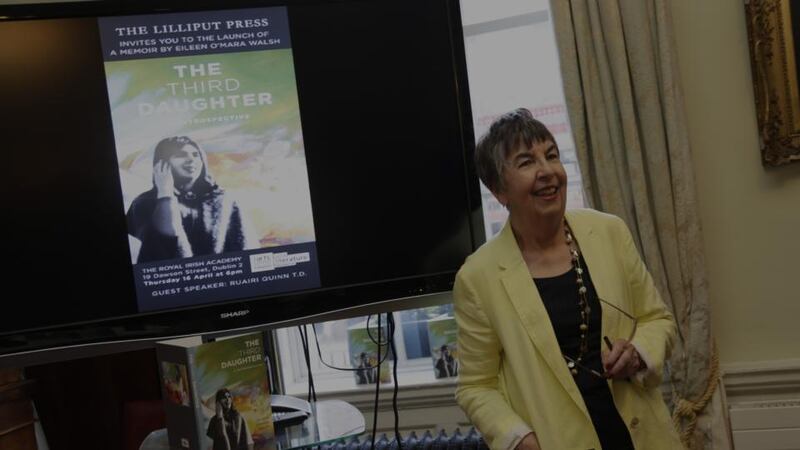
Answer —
(529, 442)
(162, 178)
(622, 361)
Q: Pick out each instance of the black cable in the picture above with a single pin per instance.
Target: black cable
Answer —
(311, 384)
(305, 358)
(397, 436)
(348, 369)
(377, 382)
(312, 394)
(381, 339)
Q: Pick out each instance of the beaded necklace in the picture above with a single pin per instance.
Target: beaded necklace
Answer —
(583, 304)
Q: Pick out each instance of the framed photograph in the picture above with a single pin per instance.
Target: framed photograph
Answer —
(773, 28)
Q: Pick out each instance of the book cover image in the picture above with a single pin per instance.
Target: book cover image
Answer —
(227, 405)
(364, 354)
(442, 333)
(211, 157)
(232, 387)
(176, 383)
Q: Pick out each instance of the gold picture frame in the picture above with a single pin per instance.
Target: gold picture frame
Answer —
(773, 58)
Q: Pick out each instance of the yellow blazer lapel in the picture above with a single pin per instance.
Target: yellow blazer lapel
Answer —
(528, 304)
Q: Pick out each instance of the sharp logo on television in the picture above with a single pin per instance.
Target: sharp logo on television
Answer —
(230, 315)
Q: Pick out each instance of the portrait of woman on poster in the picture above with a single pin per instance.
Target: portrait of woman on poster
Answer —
(446, 365)
(366, 373)
(186, 213)
(562, 336)
(227, 428)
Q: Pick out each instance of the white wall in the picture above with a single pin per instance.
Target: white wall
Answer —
(750, 215)
(751, 227)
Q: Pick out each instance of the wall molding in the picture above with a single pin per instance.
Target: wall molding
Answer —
(422, 407)
(756, 393)
(409, 397)
(762, 381)
(763, 404)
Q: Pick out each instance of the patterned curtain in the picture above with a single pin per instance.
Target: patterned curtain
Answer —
(625, 104)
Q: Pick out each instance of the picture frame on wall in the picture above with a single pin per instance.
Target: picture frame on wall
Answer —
(773, 28)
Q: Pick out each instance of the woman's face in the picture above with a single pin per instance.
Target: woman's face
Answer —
(227, 401)
(186, 164)
(535, 182)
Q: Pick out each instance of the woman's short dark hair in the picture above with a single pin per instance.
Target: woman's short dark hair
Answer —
(221, 394)
(169, 147)
(505, 135)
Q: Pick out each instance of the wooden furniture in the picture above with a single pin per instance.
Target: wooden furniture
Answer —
(16, 411)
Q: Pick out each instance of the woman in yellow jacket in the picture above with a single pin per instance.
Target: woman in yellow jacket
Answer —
(562, 334)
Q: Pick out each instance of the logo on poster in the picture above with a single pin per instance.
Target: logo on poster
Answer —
(262, 262)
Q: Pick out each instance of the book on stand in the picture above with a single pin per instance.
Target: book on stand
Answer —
(216, 394)
(442, 333)
(362, 344)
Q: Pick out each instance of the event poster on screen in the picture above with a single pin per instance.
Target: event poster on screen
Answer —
(212, 166)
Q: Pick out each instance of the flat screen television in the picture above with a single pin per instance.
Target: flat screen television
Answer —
(173, 171)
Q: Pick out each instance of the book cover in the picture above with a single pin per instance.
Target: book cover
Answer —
(210, 154)
(363, 350)
(175, 382)
(442, 333)
(216, 395)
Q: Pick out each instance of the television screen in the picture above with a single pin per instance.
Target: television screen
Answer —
(180, 171)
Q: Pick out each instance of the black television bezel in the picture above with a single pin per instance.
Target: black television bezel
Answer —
(109, 335)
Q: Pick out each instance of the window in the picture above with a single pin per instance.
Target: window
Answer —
(512, 62)
(415, 362)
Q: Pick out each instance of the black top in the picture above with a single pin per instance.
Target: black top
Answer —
(560, 297)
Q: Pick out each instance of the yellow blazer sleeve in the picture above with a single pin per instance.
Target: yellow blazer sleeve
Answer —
(655, 330)
(478, 392)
